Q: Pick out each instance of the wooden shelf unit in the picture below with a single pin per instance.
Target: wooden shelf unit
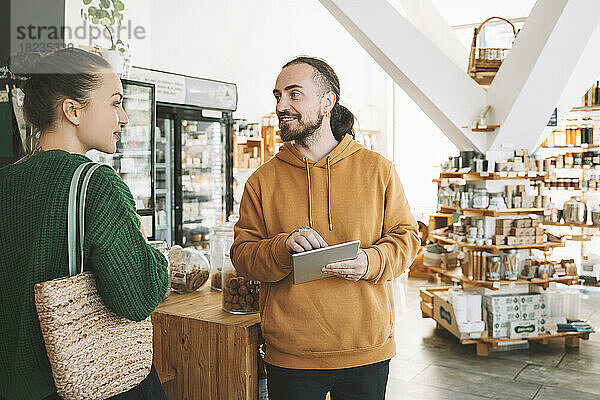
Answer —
(456, 275)
(491, 176)
(495, 249)
(243, 145)
(475, 212)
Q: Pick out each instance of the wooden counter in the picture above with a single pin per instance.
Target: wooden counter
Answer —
(203, 352)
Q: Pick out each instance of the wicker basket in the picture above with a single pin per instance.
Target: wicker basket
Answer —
(485, 62)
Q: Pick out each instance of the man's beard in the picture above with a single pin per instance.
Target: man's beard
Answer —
(304, 132)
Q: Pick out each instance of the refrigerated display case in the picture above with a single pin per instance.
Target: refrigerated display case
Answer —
(194, 175)
(134, 158)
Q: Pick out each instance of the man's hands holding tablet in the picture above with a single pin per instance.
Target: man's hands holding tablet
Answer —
(305, 239)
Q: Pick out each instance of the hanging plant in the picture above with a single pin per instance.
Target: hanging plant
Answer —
(107, 14)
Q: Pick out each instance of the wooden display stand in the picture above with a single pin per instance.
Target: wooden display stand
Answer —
(428, 310)
(243, 148)
(203, 352)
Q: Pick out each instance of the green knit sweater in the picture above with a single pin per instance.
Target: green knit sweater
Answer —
(131, 276)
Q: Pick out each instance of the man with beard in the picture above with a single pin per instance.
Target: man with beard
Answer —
(334, 334)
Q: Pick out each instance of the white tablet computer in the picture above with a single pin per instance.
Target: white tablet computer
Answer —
(307, 265)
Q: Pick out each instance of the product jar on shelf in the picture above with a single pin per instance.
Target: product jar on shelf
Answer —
(188, 269)
(240, 295)
(481, 199)
(221, 240)
(510, 262)
(497, 201)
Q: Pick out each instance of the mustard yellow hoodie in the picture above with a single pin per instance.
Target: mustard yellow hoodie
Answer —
(351, 194)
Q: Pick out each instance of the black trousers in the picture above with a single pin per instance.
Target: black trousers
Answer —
(149, 389)
(359, 383)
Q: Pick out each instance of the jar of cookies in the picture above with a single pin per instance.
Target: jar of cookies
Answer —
(188, 269)
(221, 240)
(240, 295)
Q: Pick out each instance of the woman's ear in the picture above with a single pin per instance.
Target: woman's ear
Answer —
(72, 111)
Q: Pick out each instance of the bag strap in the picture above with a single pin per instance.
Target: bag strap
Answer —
(74, 212)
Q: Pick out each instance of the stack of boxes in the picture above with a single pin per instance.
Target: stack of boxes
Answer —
(516, 316)
(467, 311)
(523, 231)
(521, 162)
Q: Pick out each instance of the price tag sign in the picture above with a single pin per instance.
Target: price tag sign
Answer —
(532, 174)
(241, 139)
(521, 173)
(484, 174)
(512, 174)
(496, 285)
(503, 174)
(546, 212)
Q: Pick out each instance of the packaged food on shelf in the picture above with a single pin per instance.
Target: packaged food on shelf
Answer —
(188, 269)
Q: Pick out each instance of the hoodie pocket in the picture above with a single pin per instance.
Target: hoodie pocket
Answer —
(328, 316)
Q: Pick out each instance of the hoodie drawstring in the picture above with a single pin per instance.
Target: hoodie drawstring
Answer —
(309, 194)
(329, 216)
(329, 194)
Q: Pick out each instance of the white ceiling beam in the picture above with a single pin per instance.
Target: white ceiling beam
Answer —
(540, 67)
(441, 88)
(426, 18)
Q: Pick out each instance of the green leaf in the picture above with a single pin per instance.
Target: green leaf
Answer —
(122, 51)
(119, 6)
(81, 13)
(104, 14)
(95, 19)
(112, 21)
(93, 11)
(105, 21)
(104, 4)
(86, 2)
(120, 42)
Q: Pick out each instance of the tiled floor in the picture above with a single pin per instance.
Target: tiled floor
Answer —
(431, 364)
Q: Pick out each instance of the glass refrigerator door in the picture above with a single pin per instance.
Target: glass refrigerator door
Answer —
(133, 158)
(202, 180)
(165, 199)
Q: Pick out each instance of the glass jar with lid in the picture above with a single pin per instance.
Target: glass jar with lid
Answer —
(481, 199)
(240, 295)
(163, 247)
(510, 262)
(497, 201)
(221, 240)
(493, 264)
(188, 269)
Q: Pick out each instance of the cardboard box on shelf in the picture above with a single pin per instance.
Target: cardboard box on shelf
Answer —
(498, 239)
(512, 241)
(523, 329)
(523, 223)
(502, 231)
(528, 240)
(522, 231)
(505, 223)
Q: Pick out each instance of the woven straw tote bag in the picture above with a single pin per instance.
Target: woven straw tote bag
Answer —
(94, 353)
